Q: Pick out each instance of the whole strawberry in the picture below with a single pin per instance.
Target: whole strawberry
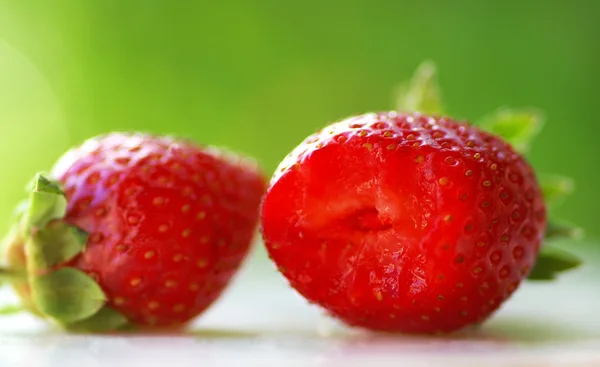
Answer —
(405, 222)
(137, 228)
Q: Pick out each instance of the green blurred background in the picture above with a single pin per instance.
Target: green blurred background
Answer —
(260, 76)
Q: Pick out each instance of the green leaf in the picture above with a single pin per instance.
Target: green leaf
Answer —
(562, 230)
(104, 320)
(421, 93)
(57, 243)
(551, 261)
(67, 295)
(556, 188)
(517, 126)
(46, 202)
(11, 309)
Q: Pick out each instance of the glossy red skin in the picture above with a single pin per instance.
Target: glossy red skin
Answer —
(169, 222)
(404, 223)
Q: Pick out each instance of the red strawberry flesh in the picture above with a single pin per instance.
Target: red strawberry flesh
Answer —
(404, 222)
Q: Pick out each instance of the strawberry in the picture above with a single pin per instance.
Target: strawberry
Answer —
(143, 229)
(405, 222)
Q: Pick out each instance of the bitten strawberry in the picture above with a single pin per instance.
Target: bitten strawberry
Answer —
(405, 221)
(136, 228)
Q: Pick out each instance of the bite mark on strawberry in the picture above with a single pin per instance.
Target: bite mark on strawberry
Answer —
(408, 215)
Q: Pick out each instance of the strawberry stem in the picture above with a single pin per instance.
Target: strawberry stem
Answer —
(9, 275)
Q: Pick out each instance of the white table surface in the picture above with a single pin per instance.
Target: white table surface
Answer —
(260, 321)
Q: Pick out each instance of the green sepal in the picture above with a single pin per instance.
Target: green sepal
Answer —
(19, 211)
(46, 202)
(561, 230)
(11, 309)
(555, 188)
(66, 295)
(421, 93)
(551, 261)
(57, 243)
(517, 126)
(105, 320)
